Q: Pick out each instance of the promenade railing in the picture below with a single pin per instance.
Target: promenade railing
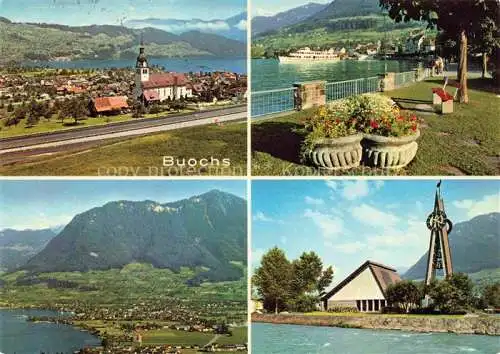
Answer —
(343, 89)
(273, 101)
(283, 100)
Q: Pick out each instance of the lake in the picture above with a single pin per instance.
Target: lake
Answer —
(19, 336)
(271, 338)
(269, 74)
(235, 65)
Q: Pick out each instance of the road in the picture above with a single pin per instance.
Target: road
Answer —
(17, 149)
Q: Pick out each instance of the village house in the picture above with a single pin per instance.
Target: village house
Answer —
(364, 289)
(109, 105)
(158, 87)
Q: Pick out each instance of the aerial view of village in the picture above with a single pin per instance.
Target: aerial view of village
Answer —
(122, 88)
(395, 266)
(375, 87)
(133, 267)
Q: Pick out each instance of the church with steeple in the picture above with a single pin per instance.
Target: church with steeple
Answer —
(156, 87)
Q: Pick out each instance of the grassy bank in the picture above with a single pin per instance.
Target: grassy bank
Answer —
(463, 143)
(143, 156)
(485, 324)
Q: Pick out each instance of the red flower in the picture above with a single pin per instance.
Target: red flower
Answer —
(414, 128)
(401, 118)
(337, 121)
(374, 124)
(413, 118)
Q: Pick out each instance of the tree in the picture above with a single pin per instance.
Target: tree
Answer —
(404, 294)
(273, 279)
(453, 294)
(449, 17)
(10, 107)
(491, 295)
(309, 276)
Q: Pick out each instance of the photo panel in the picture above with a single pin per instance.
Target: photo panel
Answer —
(120, 266)
(114, 88)
(375, 266)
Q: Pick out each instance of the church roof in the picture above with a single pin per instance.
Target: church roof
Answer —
(158, 80)
(384, 276)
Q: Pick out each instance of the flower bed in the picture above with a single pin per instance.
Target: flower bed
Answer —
(387, 134)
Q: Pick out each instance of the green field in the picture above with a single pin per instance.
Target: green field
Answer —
(173, 337)
(54, 125)
(144, 155)
(463, 143)
(116, 287)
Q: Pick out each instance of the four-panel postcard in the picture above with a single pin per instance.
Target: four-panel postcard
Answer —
(249, 176)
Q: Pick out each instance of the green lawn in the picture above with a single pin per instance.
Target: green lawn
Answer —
(463, 143)
(173, 337)
(53, 125)
(144, 155)
(240, 336)
(358, 314)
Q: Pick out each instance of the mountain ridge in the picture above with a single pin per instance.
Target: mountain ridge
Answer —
(208, 230)
(42, 41)
(474, 247)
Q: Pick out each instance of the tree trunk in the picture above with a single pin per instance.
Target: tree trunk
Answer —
(485, 65)
(462, 68)
(276, 306)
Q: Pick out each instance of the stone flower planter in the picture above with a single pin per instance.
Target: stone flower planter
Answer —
(389, 152)
(336, 153)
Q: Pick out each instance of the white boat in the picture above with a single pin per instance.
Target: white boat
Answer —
(306, 55)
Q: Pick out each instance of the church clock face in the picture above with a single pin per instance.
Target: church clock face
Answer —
(436, 220)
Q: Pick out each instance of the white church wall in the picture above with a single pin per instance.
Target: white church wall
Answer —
(362, 287)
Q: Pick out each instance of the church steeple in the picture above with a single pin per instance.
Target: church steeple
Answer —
(141, 70)
(142, 61)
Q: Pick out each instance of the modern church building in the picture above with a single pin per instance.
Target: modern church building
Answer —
(364, 289)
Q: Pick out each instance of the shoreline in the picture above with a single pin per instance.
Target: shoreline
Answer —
(481, 325)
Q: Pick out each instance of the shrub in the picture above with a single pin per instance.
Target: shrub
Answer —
(339, 308)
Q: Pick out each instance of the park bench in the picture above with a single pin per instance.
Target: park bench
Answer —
(440, 97)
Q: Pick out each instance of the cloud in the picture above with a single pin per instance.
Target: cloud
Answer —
(333, 185)
(38, 221)
(350, 247)
(260, 216)
(242, 25)
(329, 225)
(355, 190)
(314, 201)
(175, 26)
(257, 255)
(352, 190)
(488, 204)
(259, 11)
(372, 216)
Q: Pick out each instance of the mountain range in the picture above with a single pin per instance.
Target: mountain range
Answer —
(233, 27)
(206, 231)
(17, 247)
(339, 23)
(30, 41)
(475, 246)
(262, 24)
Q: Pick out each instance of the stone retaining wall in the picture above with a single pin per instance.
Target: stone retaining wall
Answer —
(486, 325)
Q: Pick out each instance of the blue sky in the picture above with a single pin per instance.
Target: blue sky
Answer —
(113, 12)
(49, 203)
(272, 7)
(349, 222)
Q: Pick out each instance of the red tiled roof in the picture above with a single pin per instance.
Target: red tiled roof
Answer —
(165, 80)
(106, 104)
(151, 95)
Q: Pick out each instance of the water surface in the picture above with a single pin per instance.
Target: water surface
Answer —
(274, 339)
(19, 336)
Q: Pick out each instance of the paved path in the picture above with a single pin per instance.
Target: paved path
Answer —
(212, 340)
